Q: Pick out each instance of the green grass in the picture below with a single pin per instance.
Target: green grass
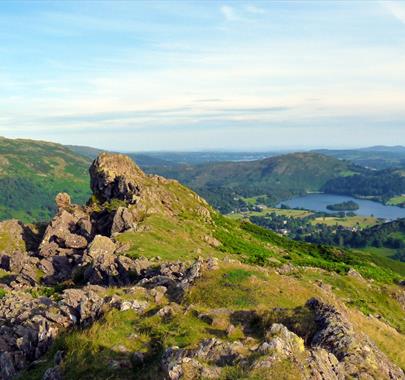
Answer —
(239, 287)
(367, 298)
(168, 238)
(395, 201)
(381, 258)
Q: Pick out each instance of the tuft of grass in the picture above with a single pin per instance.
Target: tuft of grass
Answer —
(238, 287)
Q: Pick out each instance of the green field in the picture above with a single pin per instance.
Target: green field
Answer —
(349, 221)
(266, 210)
(396, 201)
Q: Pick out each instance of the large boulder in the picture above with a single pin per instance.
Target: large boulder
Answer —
(115, 176)
(104, 267)
(123, 221)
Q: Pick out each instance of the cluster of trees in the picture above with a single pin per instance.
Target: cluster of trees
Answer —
(381, 185)
(344, 206)
(385, 235)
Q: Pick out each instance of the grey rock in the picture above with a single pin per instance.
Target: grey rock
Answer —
(53, 373)
(123, 221)
(115, 176)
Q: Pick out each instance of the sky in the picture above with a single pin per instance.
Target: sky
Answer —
(203, 75)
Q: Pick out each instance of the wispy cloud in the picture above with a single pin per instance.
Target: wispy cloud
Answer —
(243, 13)
(396, 8)
(254, 9)
(229, 13)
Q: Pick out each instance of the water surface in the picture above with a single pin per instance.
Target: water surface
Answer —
(318, 202)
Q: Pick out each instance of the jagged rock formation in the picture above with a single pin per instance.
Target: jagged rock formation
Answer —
(79, 253)
(358, 356)
(334, 352)
(29, 325)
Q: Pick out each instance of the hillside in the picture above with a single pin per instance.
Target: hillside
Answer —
(148, 282)
(278, 178)
(33, 172)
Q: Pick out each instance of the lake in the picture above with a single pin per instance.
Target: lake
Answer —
(318, 202)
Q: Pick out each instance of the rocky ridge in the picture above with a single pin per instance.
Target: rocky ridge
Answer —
(77, 255)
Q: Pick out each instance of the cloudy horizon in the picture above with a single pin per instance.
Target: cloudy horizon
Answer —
(231, 75)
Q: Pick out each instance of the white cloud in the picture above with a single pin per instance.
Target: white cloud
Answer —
(396, 8)
(229, 13)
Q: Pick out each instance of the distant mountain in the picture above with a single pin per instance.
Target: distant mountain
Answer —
(376, 157)
(33, 172)
(384, 148)
(195, 158)
(278, 178)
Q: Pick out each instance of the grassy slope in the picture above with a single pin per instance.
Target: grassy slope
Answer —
(33, 172)
(247, 283)
(233, 287)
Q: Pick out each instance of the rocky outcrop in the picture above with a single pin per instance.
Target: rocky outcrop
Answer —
(176, 278)
(115, 176)
(29, 325)
(103, 267)
(67, 234)
(357, 354)
(203, 362)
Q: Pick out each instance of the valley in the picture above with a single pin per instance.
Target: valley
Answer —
(202, 190)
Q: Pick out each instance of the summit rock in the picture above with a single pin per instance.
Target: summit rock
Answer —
(116, 176)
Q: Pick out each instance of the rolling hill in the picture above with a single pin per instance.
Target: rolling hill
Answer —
(33, 172)
(278, 177)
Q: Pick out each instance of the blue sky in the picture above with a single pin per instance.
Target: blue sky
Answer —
(191, 75)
